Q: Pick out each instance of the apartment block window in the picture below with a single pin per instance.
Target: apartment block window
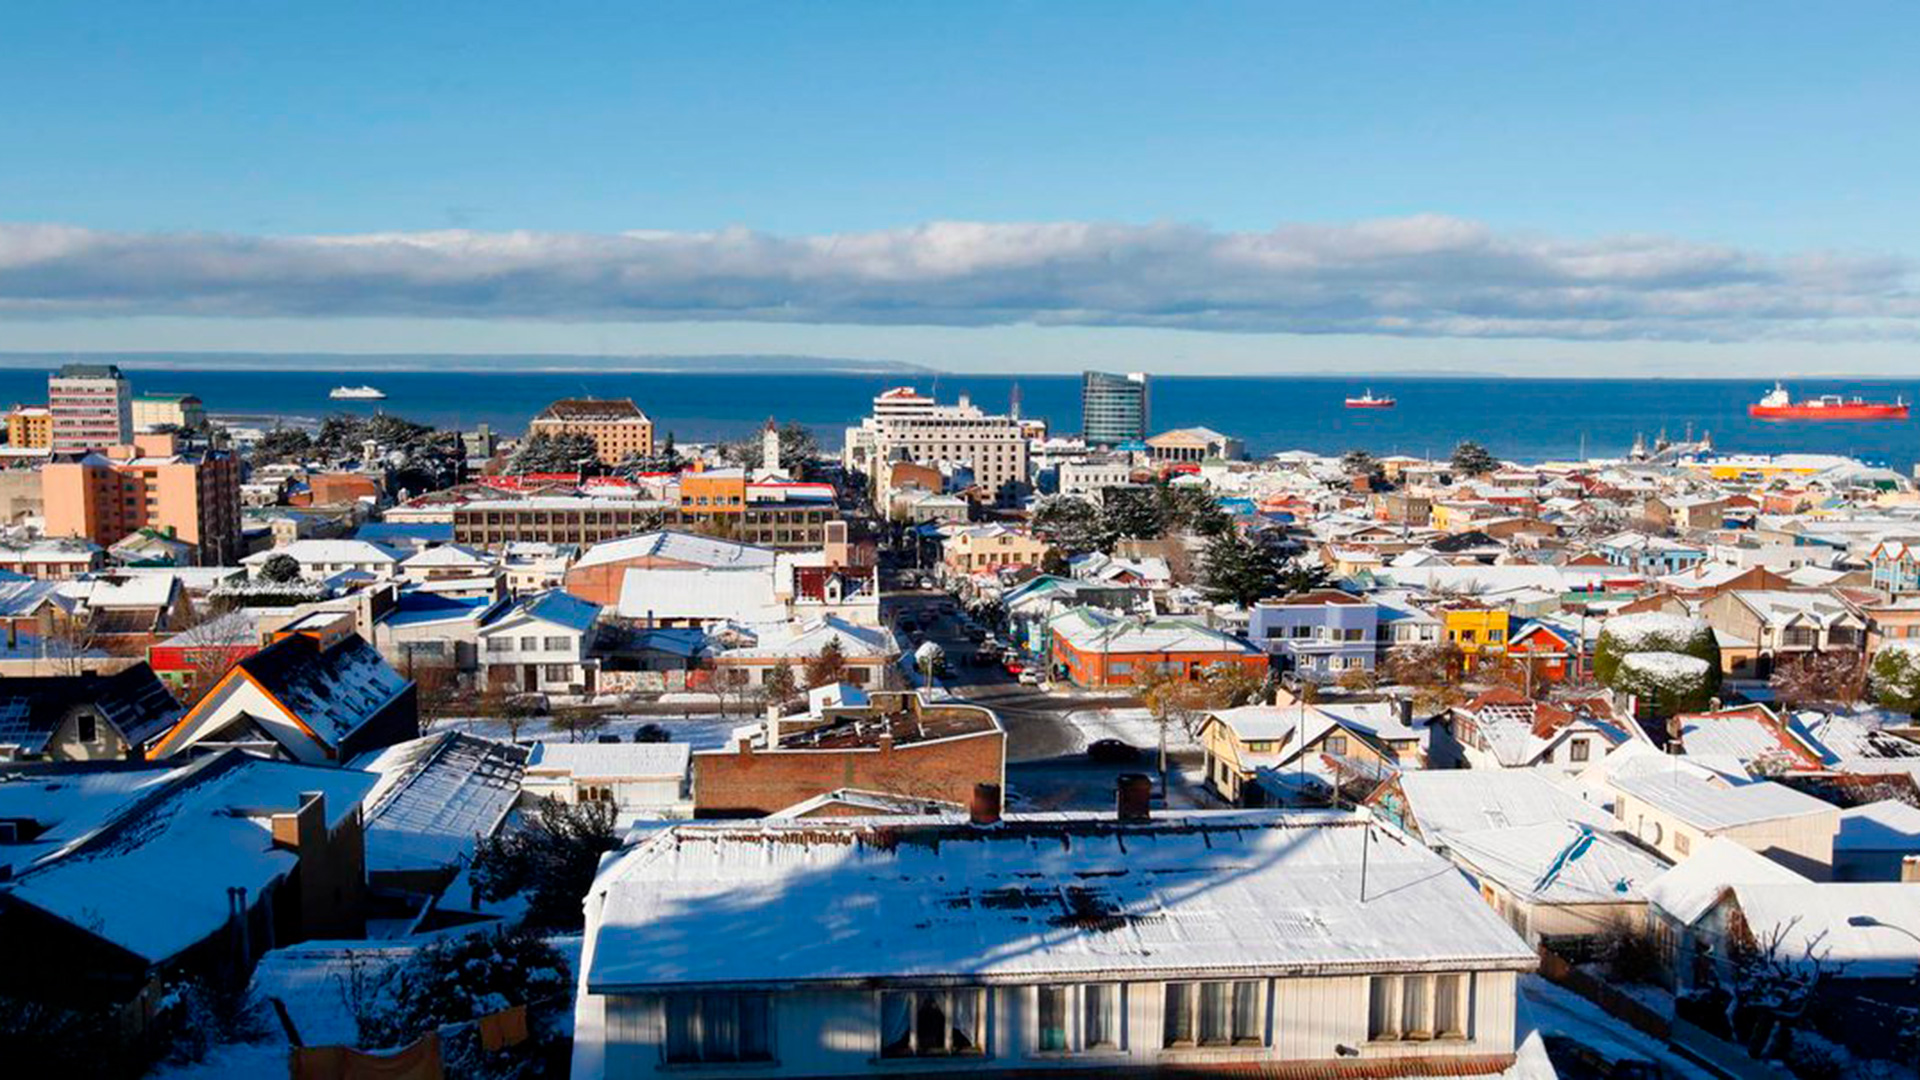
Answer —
(718, 1028)
(1213, 1014)
(933, 1023)
(1418, 1008)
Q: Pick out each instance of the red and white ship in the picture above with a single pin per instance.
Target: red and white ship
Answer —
(1779, 405)
(1368, 401)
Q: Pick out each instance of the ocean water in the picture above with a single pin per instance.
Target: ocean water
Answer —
(1523, 419)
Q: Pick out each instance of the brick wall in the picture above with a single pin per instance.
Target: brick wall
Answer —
(735, 784)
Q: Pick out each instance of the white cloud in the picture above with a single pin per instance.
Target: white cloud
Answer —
(1424, 276)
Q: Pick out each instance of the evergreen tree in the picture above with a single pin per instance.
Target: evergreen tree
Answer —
(1299, 575)
(1237, 571)
(1071, 524)
(553, 454)
(828, 666)
(782, 685)
(1132, 513)
(1472, 459)
(1359, 463)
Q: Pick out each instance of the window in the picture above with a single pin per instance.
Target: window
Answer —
(1300, 631)
(718, 1027)
(529, 644)
(1053, 1019)
(1213, 1014)
(1100, 1016)
(932, 1023)
(1418, 1007)
(1094, 1025)
(556, 644)
(87, 729)
(1337, 745)
(1577, 750)
(556, 672)
(499, 645)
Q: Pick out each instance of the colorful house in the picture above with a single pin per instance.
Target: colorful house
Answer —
(1099, 649)
(1478, 630)
(1319, 635)
(1551, 653)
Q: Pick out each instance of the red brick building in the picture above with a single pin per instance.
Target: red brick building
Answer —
(892, 744)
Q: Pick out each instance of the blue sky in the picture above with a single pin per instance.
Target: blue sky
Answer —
(1655, 185)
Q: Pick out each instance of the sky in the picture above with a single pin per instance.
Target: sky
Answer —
(1693, 189)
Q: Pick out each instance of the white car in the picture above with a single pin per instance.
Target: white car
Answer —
(1029, 677)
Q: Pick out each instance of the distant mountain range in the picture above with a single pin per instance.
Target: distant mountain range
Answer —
(469, 362)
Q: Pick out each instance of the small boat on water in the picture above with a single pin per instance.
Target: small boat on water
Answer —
(1368, 401)
(1779, 405)
(357, 393)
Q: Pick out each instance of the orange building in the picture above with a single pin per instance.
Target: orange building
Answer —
(619, 429)
(1095, 648)
(104, 497)
(30, 427)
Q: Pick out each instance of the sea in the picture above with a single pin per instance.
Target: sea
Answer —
(1516, 418)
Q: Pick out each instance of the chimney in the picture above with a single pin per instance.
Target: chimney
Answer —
(1133, 797)
(1406, 712)
(985, 809)
(1910, 870)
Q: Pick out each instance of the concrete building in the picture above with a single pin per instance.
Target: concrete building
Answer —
(1318, 635)
(1113, 408)
(154, 411)
(553, 519)
(1194, 444)
(775, 513)
(91, 407)
(907, 426)
(150, 484)
(30, 427)
(1234, 942)
(619, 429)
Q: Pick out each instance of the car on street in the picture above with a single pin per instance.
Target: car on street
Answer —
(1112, 752)
(1029, 677)
(1014, 667)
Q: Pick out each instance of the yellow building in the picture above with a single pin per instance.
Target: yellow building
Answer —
(619, 429)
(30, 427)
(1479, 631)
(992, 547)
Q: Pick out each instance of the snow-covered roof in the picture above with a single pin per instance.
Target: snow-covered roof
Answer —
(435, 795)
(133, 700)
(333, 690)
(308, 552)
(1102, 631)
(797, 641)
(122, 591)
(611, 760)
(1448, 801)
(1887, 825)
(1260, 723)
(1688, 890)
(1712, 803)
(1559, 862)
(1824, 920)
(454, 555)
(690, 548)
(553, 606)
(1044, 895)
(152, 879)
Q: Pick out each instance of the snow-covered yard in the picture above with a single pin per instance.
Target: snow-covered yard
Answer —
(1553, 1010)
(1135, 727)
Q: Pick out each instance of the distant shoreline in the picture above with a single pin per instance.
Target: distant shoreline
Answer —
(466, 363)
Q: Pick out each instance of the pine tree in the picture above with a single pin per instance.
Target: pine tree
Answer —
(1472, 459)
(828, 666)
(1237, 571)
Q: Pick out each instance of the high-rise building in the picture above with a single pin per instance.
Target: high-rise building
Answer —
(907, 426)
(618, 428)
(92, 407)
(152, 484)
(1113, 408)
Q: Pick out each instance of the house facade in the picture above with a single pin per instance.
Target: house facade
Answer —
(540, 643)
(1318, 635)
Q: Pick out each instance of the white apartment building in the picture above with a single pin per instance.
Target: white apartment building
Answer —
(91, 406)
(908, 426)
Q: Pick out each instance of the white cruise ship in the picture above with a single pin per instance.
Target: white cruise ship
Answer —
(357, 393)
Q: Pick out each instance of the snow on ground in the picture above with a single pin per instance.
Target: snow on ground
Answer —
(233, 1061)
(703, 731)
(1135, 727)
(1554, 1010)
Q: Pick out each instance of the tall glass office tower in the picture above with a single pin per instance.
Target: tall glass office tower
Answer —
(1113, 408)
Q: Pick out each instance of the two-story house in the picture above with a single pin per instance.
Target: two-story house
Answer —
(1759, 629)
(542, 643)
(1318, 635)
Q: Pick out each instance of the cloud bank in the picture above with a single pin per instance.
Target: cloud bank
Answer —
(1423, 276)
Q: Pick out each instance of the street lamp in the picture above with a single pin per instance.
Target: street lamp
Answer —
(1865, 921)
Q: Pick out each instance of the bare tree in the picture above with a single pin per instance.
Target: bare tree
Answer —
(212, 646)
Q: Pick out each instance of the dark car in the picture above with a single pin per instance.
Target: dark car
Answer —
(1112, 752)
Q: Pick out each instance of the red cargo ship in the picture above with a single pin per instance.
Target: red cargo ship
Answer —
(1368, 401)
(1779, 405)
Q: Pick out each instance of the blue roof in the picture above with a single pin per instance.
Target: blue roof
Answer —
(417, 607)
(561, 609)
(383, 532)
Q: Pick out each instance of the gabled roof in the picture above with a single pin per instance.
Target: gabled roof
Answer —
(152, 878)
(592, 410)
(1446, 801)
(134, 701)
(1559, 862)
(1688, 890)
(1711, 803)
(689, 548)
(552, 606)
(434, 795)
(331, 693)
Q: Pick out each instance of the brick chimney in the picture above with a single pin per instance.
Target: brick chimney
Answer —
(1910, 869)
(985, 809)
(1133, 797)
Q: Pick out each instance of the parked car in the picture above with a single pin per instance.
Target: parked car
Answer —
(1112, 752)
(1029, 677)
(1014, 667)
